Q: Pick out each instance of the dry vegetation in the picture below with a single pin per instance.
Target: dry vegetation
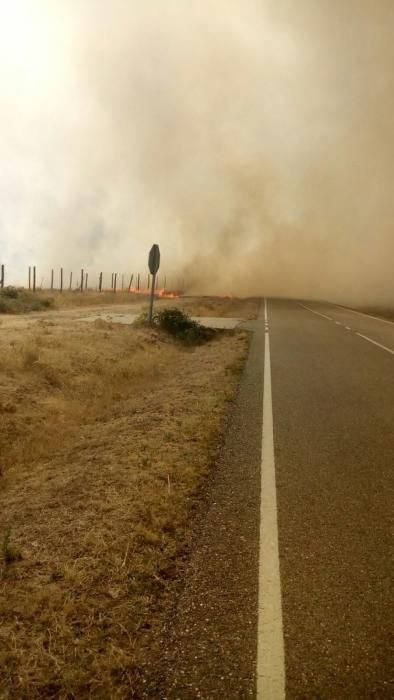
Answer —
(19, 301)
(220, 306)
(199, 306)
(106, 435)
(76, 302)
(77, 299)
(384, 312)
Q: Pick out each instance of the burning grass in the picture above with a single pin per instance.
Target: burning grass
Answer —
(106, 434)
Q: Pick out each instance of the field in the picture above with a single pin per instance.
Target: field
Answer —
(14, 301)
(107, 433)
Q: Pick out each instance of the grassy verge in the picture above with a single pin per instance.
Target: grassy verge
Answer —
(19, 301)
(383, 312)
(106, 435)
(221, 306)
(76, 299)
(198, 306)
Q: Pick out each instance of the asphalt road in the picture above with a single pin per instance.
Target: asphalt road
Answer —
(332, 377)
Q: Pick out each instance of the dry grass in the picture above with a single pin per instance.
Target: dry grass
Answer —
(384, 312)
(201, 306)
(19, 301)
(76, 299)
(218, 306)
(106, 435)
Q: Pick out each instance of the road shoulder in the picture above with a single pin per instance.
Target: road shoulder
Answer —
(208, 644)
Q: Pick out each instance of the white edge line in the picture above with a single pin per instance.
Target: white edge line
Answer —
(362, 313)
(270, 643)
(375, 343)
(315, 312)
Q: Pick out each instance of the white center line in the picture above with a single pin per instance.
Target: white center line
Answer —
(270, 644)
(361, 313)
(375, 343)
(315, 312)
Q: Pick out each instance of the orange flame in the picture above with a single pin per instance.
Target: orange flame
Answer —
(162, 293)
(168, 294)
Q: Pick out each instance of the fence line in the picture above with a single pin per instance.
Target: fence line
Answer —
(56, 282)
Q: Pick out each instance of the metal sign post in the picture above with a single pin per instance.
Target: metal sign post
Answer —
(154, 264)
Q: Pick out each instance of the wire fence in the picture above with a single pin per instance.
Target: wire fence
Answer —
(62, 280)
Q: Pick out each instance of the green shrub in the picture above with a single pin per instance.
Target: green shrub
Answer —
(9, 292)
(10, 552)
(182, 327)
(19, 301)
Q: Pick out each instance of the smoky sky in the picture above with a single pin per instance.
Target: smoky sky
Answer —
(252, 140)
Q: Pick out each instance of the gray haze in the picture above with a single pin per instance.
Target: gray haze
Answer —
(253, 140)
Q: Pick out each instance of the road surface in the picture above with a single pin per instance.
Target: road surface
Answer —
(287, 592)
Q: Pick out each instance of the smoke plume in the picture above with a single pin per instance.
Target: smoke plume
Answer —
(252, 140)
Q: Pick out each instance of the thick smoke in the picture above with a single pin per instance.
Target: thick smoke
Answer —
(252, 140)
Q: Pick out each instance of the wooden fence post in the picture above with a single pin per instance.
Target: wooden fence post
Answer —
(34, 278)
(138, 282)
(52, 278)
(29, 277)
(82, 279)
(86, 281)
(100, 282)
(2, 277)
(131, 282)
(115, 278)
(71, 281)
(61, 280)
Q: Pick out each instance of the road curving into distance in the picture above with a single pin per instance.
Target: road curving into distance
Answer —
(288, 590)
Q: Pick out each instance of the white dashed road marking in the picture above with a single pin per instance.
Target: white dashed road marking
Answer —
(375, 343)
(338, 323)
(315, 312)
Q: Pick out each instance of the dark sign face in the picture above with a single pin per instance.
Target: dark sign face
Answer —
(154, 259)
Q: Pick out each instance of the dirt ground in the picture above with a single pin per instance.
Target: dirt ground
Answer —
(107, 433)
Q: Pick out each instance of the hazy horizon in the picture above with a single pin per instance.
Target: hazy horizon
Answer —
(253, 141)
